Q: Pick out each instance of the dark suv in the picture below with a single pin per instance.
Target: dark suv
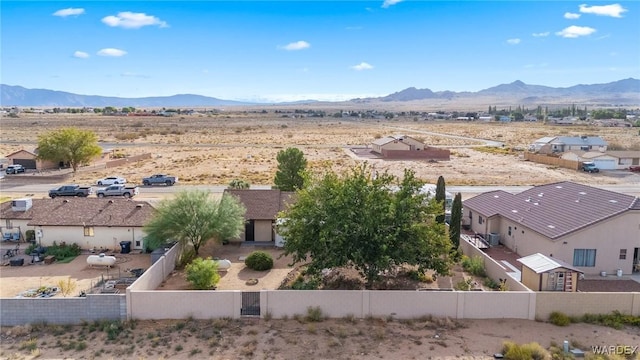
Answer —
(14, 169)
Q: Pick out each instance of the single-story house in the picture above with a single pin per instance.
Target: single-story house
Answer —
(544, 273)
(29, 159)
(92, 223)
(560, 144)
(592, 229)
(607, 160)
(396, 142)
(403, 147)
(262, 207)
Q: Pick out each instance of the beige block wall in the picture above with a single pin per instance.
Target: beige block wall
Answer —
(530, 279)
(577, 304)
(200, 304)
(496, 305)
(395, 145)
(106, 237)
(334, 303)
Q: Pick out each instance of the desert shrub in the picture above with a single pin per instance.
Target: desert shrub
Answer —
(473, 265)
(416, 275)
(203, 273)
(239, 184)
(66, 286)
(490, 283)
(259, 261)
(301, 284)
(616, 319)
(559, 319)
(314, 314)
(530, 351)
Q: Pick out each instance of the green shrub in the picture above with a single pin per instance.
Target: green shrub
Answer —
(30, 235)
(559, 319)
(203, 273)
(259, 261)
(474, 266)
(63, 251)
(531, 351)
(314, 314)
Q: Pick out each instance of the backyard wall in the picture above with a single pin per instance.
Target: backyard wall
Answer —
(579, 303)
(72, 310)
(426, 154)
(552, 160)
(493, 268)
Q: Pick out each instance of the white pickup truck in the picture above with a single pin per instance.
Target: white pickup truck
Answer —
(118, 190)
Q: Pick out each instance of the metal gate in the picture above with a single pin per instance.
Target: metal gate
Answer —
(250, 303)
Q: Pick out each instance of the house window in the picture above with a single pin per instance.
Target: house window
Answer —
(480, 220)
(623, 254)
(88, 231)
(584, 257)
(509, 230)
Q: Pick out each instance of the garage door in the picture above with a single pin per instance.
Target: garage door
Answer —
(27, 163)
(605, 164)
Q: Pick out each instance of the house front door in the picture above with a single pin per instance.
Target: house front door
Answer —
(636, 260)
(249, 231)
(559, 281)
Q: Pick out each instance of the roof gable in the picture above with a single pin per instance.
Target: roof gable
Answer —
(540, 263)
(554, 210)
(580, 140)
(262, 204)
(82, 212)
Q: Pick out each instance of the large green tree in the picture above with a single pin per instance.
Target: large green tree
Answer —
(69, 145)
(441, 197)
(193, 218)
(370, 224)
(291, 168)
(455, 222)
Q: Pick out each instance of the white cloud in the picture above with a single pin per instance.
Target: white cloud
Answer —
(80, 55)
(613, 10)
(542, 34)
(571, 16)
(129, 20)
(69, 12)
(515, 41)
(388, 3)
(298, 45)
(576, 31)
(362, 66)
(112, 52)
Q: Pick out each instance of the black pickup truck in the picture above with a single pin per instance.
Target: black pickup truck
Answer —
(71, 190)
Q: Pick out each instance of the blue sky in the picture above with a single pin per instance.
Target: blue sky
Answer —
(324, 50)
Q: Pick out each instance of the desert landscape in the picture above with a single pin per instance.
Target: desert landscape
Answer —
(215, 149)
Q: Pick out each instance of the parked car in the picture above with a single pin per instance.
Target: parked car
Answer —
(634, 168)
(589, 167)
(118, 190)
(112, 180)
(14, 169)
(160, 179)
(71, 190)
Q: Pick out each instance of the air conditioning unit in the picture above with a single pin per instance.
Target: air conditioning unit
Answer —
(494, 239)
(21, 204)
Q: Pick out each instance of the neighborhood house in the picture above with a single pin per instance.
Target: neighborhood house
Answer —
(92, 223)
(403, 146)
(544, 273)
(262, 208)
(607, 160)
(595, 231)
(560, 144)
(29, 159)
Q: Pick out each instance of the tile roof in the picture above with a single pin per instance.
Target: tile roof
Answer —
(579, 140)
(556, 209)
(262, 204)
(82, 212)
(540, 263)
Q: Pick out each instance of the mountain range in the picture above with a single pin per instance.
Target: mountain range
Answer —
(622, 92)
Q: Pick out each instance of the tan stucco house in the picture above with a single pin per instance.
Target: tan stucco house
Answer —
(396, 142)
(544, 273)
(92, 223)
(262, 208)
(591, 229)
(29, 159)
(560, 144)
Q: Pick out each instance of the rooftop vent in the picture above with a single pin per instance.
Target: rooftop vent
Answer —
(551, 226)
(613, 201)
